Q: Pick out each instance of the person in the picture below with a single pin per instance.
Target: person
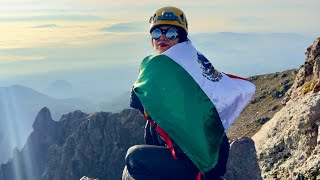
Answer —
(185, 131)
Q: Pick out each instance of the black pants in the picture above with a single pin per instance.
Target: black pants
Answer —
(150, 162)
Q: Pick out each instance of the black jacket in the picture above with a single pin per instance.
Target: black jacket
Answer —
(151, 136)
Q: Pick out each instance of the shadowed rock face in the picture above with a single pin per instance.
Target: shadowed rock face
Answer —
(78, 145)
(242, 162)
(288, 146)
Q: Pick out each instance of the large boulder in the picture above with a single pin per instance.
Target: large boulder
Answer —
(242, 162)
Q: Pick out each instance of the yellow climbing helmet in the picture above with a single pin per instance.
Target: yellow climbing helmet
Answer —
(169, 16)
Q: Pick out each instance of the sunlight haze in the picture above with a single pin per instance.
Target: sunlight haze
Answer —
(57, 36)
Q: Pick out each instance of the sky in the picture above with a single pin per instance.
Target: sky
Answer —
(42, 36)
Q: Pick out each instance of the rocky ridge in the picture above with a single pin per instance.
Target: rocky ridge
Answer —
(79, 144)
(288, 146)
(94, 145)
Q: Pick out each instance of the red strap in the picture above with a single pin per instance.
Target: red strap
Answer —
(199, 176)
(168, 141)
(163, 134)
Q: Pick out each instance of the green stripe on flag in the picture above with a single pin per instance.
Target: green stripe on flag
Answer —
(180, 107)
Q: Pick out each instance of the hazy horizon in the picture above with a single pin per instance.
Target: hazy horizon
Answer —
(92, 43)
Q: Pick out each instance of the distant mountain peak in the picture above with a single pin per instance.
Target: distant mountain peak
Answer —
(60, 89)
(43, 119)
(62, 150)
(61, 83)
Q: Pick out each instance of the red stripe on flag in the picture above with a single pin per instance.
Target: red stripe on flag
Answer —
(237, 77)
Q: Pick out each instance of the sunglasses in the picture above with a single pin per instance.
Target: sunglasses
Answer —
(170, 33)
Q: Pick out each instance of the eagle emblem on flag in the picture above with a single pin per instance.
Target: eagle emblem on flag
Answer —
(208, 70)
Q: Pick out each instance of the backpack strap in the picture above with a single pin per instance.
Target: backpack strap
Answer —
(163, 134)
(199, 175)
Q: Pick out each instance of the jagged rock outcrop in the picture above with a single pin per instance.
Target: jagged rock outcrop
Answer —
(308, 77)
(288, 145)
(78, 145)
(242, 162)
(19, 106)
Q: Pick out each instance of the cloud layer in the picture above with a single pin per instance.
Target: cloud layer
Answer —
(4, 59)
(127, 27)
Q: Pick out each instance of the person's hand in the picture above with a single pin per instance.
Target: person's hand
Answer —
(145, 113)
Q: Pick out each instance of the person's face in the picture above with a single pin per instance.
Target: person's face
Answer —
(163, 44)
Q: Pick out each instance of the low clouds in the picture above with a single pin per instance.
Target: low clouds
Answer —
(4, 59)
(45, 26)
(127, 27)
(53, 17)
(248, 20)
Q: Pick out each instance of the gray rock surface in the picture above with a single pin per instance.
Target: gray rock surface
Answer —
(80, 144)
(242, 162)
(308, 77)
(288, 146)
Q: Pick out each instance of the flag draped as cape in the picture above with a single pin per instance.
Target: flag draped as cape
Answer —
(191, 101)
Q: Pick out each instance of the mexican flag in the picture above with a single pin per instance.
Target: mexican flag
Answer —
(191, 101)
